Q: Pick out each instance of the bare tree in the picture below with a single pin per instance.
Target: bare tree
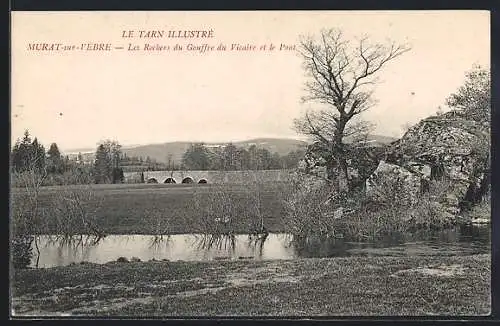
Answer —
(26, 216)
(341, 77)
(76, 211)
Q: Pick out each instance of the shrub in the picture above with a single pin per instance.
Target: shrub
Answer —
(309, 207)
(75, 212)
(221, 210)
(369, 220)
(215, 212)
(313, 210)
(21, 251)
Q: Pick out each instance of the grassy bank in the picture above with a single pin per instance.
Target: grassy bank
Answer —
(303, 287)
(125, 208)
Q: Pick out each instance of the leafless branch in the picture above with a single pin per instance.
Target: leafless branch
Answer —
(339, 76)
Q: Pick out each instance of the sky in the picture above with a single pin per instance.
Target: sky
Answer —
(79, 98)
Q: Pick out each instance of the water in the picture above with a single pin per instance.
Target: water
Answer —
(192, 247)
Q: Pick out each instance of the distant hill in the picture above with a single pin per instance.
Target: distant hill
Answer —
(378, 140)
(383, 139)
(160, 152)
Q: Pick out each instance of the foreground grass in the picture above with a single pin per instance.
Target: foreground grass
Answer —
(123, 207)
(458, 285)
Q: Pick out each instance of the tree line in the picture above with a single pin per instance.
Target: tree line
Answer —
(224, 158)
(109, 163)
(29, 156)
(233, 158)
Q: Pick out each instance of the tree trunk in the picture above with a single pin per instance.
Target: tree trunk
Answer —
(341, 173)
(343, 185)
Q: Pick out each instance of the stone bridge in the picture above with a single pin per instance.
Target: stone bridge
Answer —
(207, 176)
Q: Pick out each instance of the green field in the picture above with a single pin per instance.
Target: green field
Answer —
(123, 208)
(359, 286)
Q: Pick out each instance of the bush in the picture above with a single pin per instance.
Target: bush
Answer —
(216, 212)
(369, 220)
(310, 207)
(75, 176)
(76, 211)
(313, 210)
(21, 251)
(72, 212)
(222, 210)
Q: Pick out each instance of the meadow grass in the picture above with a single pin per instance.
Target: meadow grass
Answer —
(123, 208)
(359, 286)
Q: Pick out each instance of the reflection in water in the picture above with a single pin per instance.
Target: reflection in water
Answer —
(159, 240)
(316, 246)
(219, 242)
(67, 247)
(74, 241)
(192, 247)
(189, 247)
(257, 242)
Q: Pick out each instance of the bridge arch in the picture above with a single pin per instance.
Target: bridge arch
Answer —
(203, 181)
(187, 180)
(152, 180)
(170, 180)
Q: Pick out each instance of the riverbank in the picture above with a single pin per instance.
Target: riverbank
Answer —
(169, 209)
(454, 285)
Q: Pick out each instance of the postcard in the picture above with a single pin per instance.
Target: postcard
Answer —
(250, 163)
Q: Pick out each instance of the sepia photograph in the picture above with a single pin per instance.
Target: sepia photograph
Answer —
(178, 164)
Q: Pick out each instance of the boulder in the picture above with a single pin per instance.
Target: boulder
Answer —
(451, 145)
(390, 183)
(313, 165)
(422, 169)
(361, 161)
(446, 149)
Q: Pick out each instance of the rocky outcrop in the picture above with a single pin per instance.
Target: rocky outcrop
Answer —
(314, 162)
(361, 161)
(446, 150)
(392, 183)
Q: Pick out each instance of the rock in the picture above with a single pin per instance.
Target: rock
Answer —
(444, 158)
(424, 170)
(450, 151)
(135, 259)
(391, 182)
(479, 221)
(314, 162)
(338, 213)
(312, 166)
(361, 161)
(457, 146)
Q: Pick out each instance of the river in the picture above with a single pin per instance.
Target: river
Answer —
(194, 247)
